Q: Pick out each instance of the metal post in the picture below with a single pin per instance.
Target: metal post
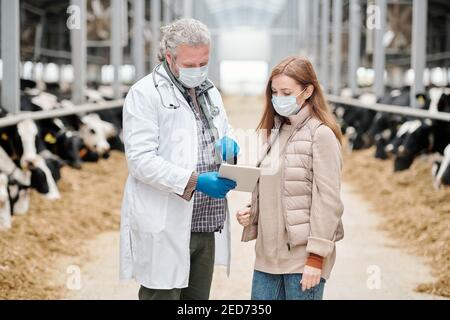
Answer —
(167, 11)
(355, 44)
(308, 20)
(302, 26)
(138, 38)
(315, 32)
(379, 50)
(324, 44)
(418, 46)
(337, 45)
(79, 53)
(214, 65)
(116, 45)
(10, 30)
(156, 23)
(188, 9)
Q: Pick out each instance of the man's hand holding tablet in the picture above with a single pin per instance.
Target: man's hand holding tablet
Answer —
(246, 177)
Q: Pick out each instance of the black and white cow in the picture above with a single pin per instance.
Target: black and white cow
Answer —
(441, 170)
(113, 116)
(94, 133)
(385, 125)
(360, 121)
(382, 131)
(61, 141)
(403, 131)
(24, 146)
(18, 184)
(5, 209)
(58, 138)
(88, 126)
(418, 140)
(424, 136)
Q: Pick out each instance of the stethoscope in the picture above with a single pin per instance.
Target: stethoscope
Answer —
(213, 109)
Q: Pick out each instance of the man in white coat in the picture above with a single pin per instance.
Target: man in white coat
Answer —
(175, 219)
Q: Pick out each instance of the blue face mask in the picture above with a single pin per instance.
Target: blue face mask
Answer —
(286, 106)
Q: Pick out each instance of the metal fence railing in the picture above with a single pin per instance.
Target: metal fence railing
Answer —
(13, 119)
(419, 113)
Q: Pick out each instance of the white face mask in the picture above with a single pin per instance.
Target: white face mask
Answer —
(286, 106)
(193, 77)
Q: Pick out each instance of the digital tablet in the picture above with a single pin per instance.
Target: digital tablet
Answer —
(245, 176)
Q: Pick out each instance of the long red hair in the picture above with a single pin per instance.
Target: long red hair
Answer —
(301, 70)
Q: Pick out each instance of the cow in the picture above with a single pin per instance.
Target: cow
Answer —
(94, 133)
(426, 136)
(385, 125)
(423, 101)
(406, 128)
(111, 116)
(114, 117)
(354, 121)
(5, 209)
(23, 144)
(441, 170)
(16, 184)
(416, 141)
(360, 120)
(58, 139)
(19, 184)
(382, 131)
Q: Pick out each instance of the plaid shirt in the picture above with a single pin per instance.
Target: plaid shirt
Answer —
(209, 213)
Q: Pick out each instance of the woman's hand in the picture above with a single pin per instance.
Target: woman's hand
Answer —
(243, 217)
(310, 277)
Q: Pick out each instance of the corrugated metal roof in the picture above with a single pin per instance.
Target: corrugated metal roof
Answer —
(232, 13)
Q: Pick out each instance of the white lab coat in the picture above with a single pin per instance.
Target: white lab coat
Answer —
(161, 152)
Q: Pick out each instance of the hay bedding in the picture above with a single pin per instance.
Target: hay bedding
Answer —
(414, 213)
(90, 204)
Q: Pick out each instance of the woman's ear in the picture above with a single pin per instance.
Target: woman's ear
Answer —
(309, 91)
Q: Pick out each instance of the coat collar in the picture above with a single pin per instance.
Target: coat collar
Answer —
(177, 89)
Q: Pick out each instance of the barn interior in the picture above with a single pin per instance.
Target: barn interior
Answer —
(66, 67)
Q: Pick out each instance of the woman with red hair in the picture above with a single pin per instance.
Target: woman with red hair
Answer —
(296, 209)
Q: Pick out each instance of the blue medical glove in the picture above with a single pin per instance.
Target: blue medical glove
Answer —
(227, 147)
(212, 185)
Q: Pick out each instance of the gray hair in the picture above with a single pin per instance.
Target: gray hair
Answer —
(186, 31)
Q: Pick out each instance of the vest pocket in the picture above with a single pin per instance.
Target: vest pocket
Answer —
(299, 234)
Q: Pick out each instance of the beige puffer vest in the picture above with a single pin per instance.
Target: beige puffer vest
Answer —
(298, 180)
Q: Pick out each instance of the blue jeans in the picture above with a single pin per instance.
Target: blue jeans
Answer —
(268, 286)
